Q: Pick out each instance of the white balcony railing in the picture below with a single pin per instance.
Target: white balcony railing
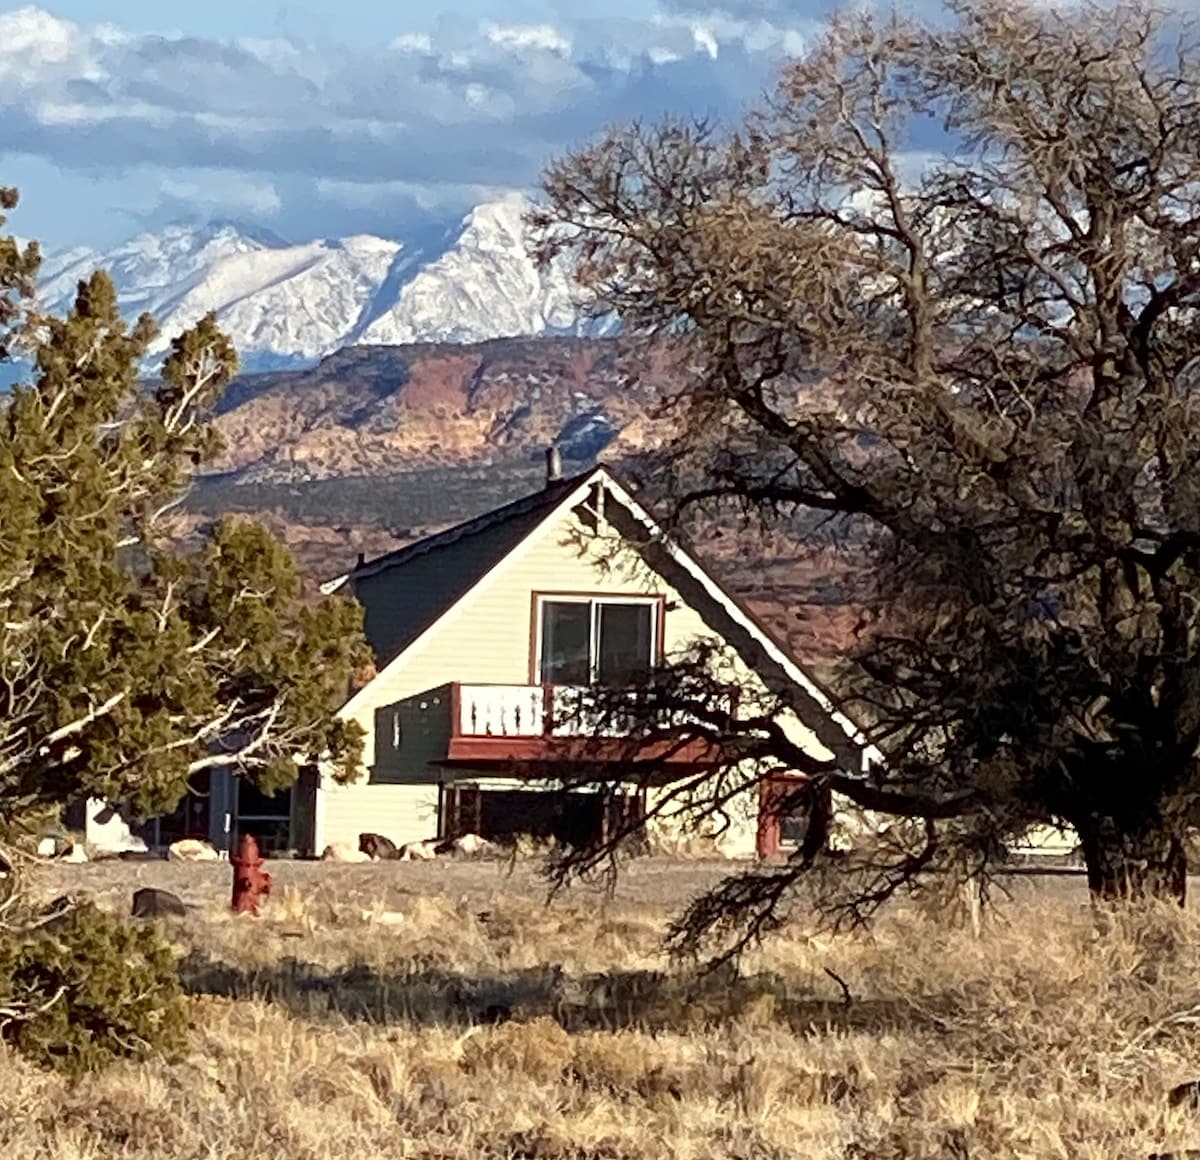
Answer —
(551, 711)
(501, 710)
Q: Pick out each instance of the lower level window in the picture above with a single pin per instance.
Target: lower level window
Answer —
(793, 825)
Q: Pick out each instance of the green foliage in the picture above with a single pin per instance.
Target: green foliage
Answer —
(293, 654)
(88, 988)
(126, 664)
(18, 271)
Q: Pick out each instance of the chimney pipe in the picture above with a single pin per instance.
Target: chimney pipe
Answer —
(553, 465)
(362, 559)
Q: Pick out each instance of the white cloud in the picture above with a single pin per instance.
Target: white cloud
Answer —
(461, 107)
(542, 37)
(224, 193)
(37, 37)
(477, 95)
(775, 11)
(710, 28)
(415, 42)
(35, 45)
(363, 195)
(704, 38)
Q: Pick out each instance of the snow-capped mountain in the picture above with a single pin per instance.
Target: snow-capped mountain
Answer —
(484, 286)
(290, 305)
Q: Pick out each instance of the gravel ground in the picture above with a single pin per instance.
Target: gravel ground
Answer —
(655, 881)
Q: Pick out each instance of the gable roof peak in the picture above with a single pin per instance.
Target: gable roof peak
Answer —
(555, 492)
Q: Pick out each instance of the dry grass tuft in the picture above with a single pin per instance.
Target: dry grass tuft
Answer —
(539, 1050)
(478, 1023)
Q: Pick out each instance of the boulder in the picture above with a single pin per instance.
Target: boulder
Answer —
(191, 850)
(425, 851)
(1185, 1095)
(472, 846)
(150, 902)
(377, 847)
(343, 852)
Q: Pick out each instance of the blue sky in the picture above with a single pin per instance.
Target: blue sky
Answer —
(343, 116)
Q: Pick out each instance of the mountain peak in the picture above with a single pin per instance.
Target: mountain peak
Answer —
(484, 285)
(214, 227)
(290, 304)
(203, 230)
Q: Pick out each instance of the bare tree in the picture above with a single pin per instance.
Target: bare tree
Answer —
(980, 364)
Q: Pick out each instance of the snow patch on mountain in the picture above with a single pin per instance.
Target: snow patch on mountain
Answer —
(153, 269)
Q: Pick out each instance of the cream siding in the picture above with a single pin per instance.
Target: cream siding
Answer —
(404, 813)
(432, 583)
(488, 639)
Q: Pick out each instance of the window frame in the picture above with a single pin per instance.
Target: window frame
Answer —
(656, 601)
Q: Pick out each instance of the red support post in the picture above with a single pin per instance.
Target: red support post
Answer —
(767, 838)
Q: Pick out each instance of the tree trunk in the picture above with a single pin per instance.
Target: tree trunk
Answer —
(1136, 862)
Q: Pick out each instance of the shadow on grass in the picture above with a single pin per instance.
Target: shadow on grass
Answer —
(645, 1000)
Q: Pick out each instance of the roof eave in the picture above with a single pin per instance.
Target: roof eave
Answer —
(566, 488)
(779, 654)
(569, 495)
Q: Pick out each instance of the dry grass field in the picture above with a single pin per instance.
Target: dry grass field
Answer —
(441, 1010)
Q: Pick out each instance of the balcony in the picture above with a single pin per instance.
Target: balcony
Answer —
(560, 723)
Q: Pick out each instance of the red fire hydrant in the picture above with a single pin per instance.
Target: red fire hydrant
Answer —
(251, 883)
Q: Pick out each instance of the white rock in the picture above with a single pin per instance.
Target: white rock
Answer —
(125, 845)
(419, 851)
(46, 847)
(75, 854)
(343, 852)
(472, 845)
(191, 850)
(107, 831)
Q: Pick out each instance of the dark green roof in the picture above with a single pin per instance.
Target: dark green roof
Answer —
(405, 591)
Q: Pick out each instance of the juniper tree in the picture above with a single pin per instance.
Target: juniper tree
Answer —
(941, 288)
(127, 663)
